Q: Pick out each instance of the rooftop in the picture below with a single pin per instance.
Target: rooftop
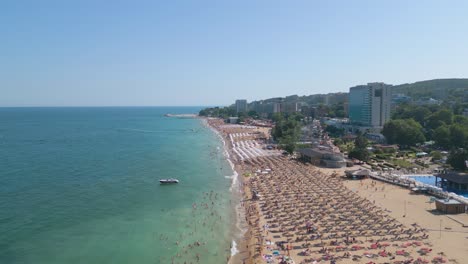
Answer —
(457, 177)
(312, 151)
(449, 201)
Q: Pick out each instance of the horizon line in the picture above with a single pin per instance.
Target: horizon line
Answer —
(102, 106)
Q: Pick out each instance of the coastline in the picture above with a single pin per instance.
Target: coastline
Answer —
(241, 230)
(238, 226)
(380, 233)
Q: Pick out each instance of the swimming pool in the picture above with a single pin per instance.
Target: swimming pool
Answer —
(427, 179)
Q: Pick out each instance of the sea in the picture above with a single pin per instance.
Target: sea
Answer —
(81, 185)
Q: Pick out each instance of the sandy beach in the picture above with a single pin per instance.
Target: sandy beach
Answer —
(298, 213)
(446, 232)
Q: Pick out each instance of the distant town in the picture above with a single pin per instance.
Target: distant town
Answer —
(411, 127)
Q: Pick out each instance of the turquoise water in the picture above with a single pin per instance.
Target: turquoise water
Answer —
(431, 180)
(80, 185)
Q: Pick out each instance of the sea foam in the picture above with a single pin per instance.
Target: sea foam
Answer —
(234, 249)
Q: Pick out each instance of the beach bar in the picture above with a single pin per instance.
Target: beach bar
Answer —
(450, 206)
(357, 174)
(456, 181)
(323, 157)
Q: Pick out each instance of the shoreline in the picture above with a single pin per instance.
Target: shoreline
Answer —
(241, 236)
(263, 228)
(236, 193)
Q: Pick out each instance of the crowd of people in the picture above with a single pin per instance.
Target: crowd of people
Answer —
(311, 216)
(297, 213)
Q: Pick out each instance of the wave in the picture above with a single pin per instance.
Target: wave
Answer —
(234, 249)
(235, 176)
(240, 227)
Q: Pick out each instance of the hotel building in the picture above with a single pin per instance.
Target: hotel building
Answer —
(241, 106)
(370, 105)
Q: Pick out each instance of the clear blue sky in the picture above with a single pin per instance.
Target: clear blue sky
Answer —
(79, 53)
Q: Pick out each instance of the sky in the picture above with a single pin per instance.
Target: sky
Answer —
(177, 53)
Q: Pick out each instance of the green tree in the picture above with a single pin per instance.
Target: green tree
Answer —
(436, 155)
(459, 119)
(286, 131)
(338, 141)
(360, 151)
(277, 117)
(333, 131)
(458, 135)
(252, 114)
(405, 132)
(442, 137)
(444, 115)
(434, 123)
(440, 118)
(408, 111)
(457, 158)
(420, 114)
(203, 112)
(298, 116)
(288, 143)
(361, 142)
(360, 154)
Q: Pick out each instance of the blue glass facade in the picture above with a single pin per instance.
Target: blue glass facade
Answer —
(360, 105)
(369, 105)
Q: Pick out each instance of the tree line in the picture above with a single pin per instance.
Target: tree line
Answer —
(444, 124)
(287, 130)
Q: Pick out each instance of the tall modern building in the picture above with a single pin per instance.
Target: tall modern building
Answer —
(277, 108)
(369, 105)
(241, 106)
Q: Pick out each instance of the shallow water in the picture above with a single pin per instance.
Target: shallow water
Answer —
(79, 185)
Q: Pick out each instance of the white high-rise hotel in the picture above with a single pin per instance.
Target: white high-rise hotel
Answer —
(369, 105)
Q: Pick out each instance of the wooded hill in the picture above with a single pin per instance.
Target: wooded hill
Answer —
(441, 89)
(438, 89)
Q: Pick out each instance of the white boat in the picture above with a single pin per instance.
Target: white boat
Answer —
(164, 181)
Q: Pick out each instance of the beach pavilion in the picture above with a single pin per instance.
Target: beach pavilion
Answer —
(456, 181)
(450, 206)
(323, 157)
(357, 174)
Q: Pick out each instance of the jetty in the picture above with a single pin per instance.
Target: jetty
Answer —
(182, 115)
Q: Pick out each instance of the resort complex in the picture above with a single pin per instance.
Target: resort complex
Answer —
(357, 190)
(304, 209)
(237, 132)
